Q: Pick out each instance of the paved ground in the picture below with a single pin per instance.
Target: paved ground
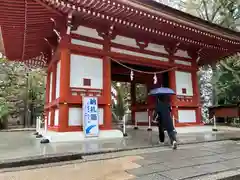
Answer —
(23, 145)
(213, 160)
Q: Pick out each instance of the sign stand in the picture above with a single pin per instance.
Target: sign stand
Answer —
(37, 129)
(45, 124)
(90, 116)
(214, 124)
(135, 126)
(149, 122)
(38, 126)
(124, 126)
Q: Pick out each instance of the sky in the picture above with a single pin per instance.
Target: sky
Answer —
(171, 3)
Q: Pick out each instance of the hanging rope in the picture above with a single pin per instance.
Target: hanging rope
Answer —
(144, 72)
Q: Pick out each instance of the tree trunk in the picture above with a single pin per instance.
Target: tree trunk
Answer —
(214, 84)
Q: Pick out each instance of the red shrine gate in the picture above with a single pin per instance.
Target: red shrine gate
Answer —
(82, 41)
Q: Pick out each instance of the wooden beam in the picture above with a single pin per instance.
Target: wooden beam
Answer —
(48, 7)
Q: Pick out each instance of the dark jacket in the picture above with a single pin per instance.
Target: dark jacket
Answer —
(164, 114)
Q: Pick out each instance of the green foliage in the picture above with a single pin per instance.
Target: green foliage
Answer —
(124, 97)
(226, 13)
(222, 12)
(141, 93)
(121, 106)
(219, 83)
(3, 112)
(229, 82)
(22, 89)
(36, 91)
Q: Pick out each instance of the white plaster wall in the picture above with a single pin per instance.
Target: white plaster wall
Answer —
(49, 117)
(58, 80)
(186, 63)
(186, 116)
(123, 51)
(156, 48)
(182, 53)
(125, 41)
(86, 67)
(85, 31)
(132, 43)
(50, 87)
(101, 116)
(75, 116)
(87, 44)
(184, 80)
(141, 116)
(56, 117)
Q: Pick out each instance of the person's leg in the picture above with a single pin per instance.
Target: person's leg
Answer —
(161, 133)
(173, 138)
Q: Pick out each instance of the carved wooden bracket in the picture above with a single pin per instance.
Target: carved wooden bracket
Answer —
(75, 22)
(107, 34)
(69, 23)
(52, 45)
(142, 44)
(52, 42)
(172, 49)
(195, 54)
(54, 22)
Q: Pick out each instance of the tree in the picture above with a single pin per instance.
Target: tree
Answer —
(35, 90)
(225, 13)
(205, 85)
(222, 12)
(11, 84)
(3, 113)
(141, 93)
(229, 82)
(121, 105)
(21, 87)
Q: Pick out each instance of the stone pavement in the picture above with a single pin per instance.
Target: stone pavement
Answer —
(189, 163)
(212, 160)
(22, 148)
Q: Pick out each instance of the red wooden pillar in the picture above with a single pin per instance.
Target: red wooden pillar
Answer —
(107, 92)
(52, 111)
(54, 77)
(107, 83)
(47, 97)
(196, 96)
(172, 85)
(64, 84)
(47, 87)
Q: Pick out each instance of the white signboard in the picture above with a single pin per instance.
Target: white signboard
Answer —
(90, 116)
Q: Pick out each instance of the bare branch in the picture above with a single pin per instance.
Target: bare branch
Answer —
(206, 9)
(215, 13)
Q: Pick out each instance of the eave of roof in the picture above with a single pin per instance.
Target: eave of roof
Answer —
(186, 18)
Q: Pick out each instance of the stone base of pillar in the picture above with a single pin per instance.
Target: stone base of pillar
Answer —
(39, 136)
(79, 136)
(35, 134)
(44, 141)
